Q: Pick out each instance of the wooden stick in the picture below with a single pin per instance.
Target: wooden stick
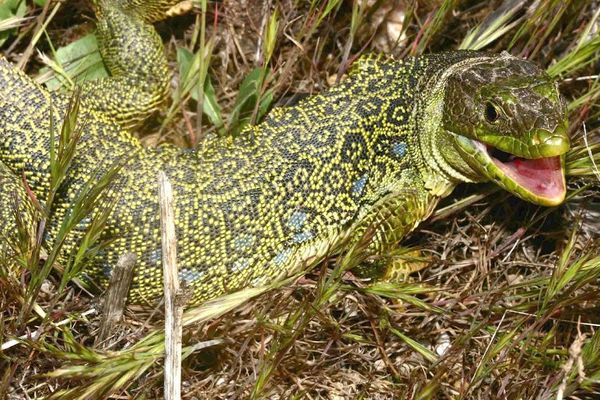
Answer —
(173, 308)
(116, 295)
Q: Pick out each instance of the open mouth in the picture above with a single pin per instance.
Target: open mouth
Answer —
(540, 180)
(542, 176)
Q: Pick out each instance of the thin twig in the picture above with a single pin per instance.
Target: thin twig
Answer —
(173, 308)
(42, 23)
(116, 295)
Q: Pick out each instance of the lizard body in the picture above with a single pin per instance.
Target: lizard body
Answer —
(378, 150)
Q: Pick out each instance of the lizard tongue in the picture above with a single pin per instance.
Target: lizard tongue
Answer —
(542, 176)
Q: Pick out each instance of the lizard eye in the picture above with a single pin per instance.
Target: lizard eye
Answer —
(491, 113)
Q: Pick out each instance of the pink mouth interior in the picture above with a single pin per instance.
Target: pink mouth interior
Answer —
(542, 177)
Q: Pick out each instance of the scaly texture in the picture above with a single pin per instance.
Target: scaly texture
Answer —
(375, 151)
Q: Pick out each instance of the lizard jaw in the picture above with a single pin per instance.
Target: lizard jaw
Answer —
(538, 180)
(543, 177)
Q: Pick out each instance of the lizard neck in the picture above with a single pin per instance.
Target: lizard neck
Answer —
(441, 166)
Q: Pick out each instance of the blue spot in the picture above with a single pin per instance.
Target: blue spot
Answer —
(282, 256)
(297, 219)
(189, 275)
(240, 265)
(399, 149)
(302, 237)
(359, 185)
(155, 256)
(83, 224)
(243, 241)
(106, 270)
(258, 281)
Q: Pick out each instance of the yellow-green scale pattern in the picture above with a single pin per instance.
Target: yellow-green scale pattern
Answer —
(248, 209)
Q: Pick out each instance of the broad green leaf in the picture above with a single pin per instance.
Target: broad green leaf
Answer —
(78, 61)
(184, 60)
(247, 98)
(210, 106)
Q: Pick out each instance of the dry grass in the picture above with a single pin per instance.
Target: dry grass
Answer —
(508, 308)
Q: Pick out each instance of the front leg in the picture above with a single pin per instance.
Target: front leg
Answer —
(384, 224)
(393, 216)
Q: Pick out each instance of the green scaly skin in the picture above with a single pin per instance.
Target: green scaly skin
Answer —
(379, 150)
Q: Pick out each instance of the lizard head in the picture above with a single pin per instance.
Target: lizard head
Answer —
(508, 122)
